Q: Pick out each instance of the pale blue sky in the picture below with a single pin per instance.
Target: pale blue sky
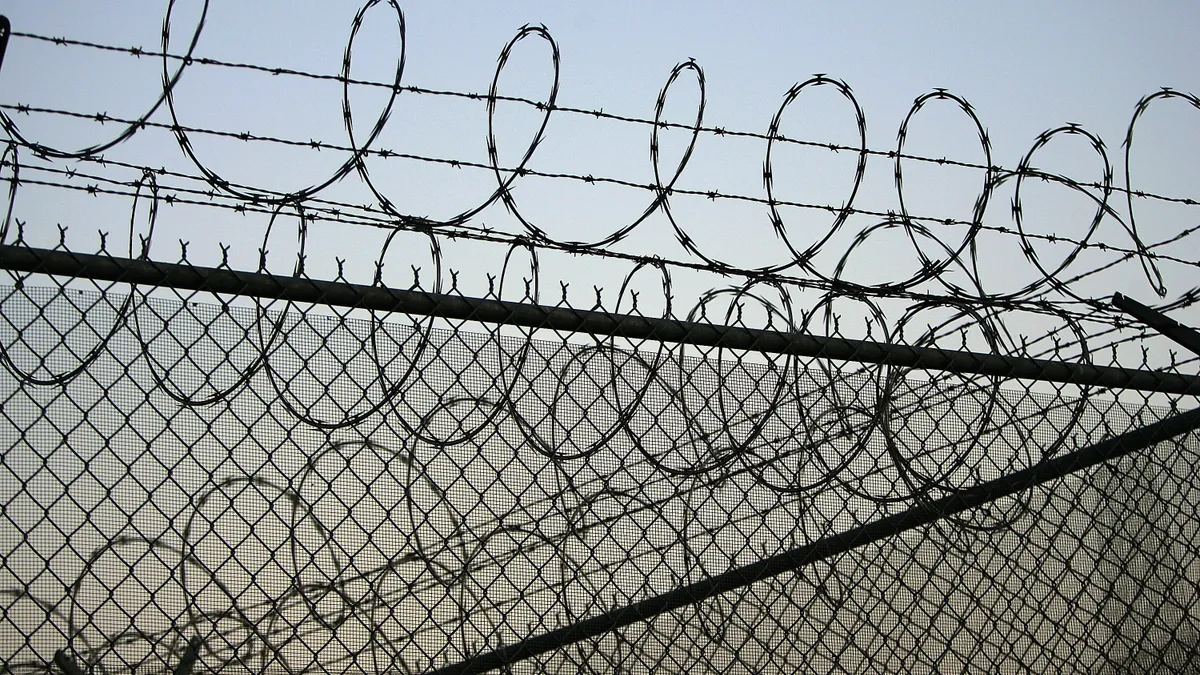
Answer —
(1026, 67)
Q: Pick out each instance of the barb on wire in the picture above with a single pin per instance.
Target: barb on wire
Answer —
(770, 137)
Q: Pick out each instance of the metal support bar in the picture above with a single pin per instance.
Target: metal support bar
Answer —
(1184, 335)
(5, 32)
(923, 514)
(376, 298)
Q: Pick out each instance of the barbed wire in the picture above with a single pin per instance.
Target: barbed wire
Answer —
(932, 267)
(338, 211)
(591, 179)
(597, 113)
(944, 256)
(341, 212)
(1090, 314)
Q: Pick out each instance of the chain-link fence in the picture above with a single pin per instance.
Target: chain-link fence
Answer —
(878, 438)
(206, 482)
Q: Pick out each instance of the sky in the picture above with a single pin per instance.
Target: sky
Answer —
(1025, 67)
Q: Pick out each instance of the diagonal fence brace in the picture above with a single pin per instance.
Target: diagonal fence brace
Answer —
(923, 514)
(1185, 336)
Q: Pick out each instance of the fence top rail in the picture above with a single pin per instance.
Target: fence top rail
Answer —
(263, 285)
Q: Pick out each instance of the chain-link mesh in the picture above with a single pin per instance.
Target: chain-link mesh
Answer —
(210, 470)
(219, 484)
